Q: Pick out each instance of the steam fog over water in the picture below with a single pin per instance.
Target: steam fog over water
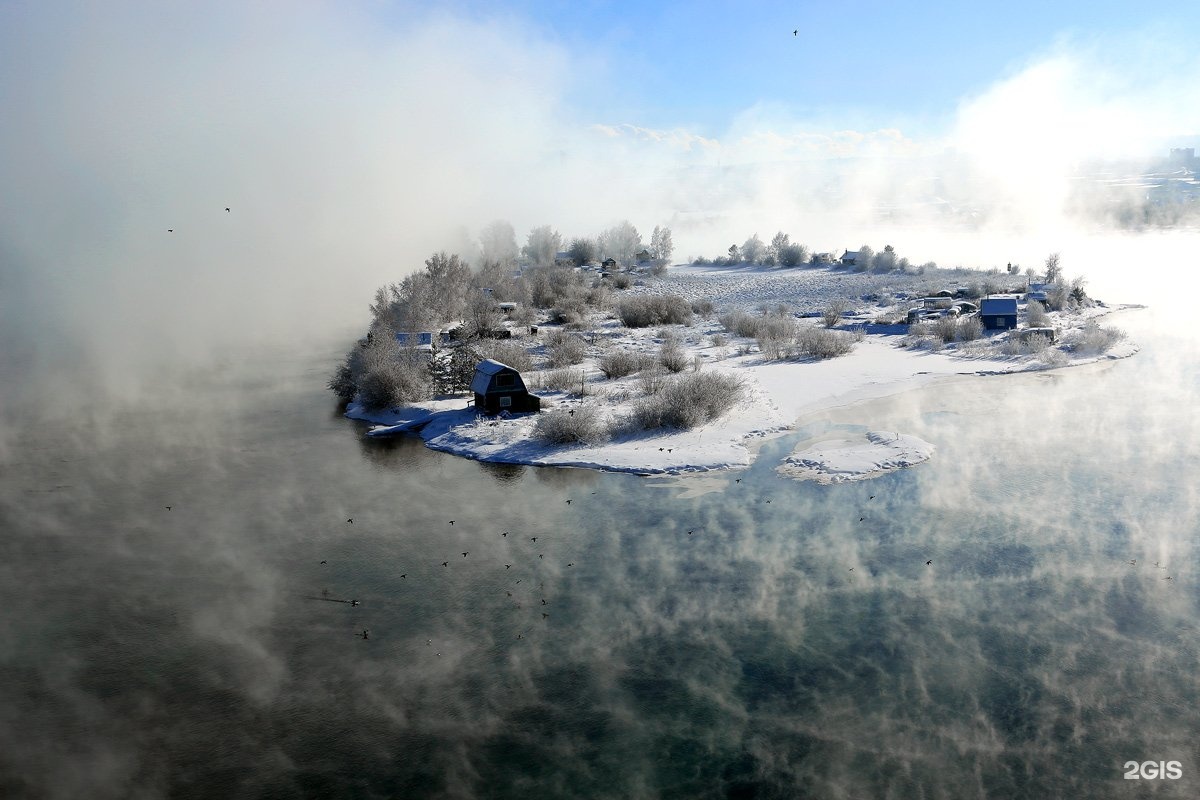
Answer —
(780, 649)
(783, 649)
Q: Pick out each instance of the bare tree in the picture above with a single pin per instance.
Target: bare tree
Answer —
(541, 245)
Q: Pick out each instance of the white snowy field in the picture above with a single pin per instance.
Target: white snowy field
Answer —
(777, 393)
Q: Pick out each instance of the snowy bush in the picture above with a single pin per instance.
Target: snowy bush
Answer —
(564, 349)
(739, 323)
(703, 308)
(621, 281)
(672, 356)
(652, 379)
(1094, 339)
(563, 380)
(686, 402)
(776, 336)
(832, 315)
(394, 382)
(1036, 316)
(945, 328)
(341, 382)
(570, 426)
(506, 352)
(619, 363)
(647, 310)
(719, 340)
(969, 329)
(824, 343)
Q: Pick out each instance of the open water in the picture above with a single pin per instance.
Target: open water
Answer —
(694, 637)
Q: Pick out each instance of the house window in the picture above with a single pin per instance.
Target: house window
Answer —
(506, 401)
(506, 380)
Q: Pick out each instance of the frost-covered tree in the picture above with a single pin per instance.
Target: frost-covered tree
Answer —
(885, 261)
(775, 249)
(541, 245)
(449, 280)
(661, 246)
(1053, 267)
(735, 255)
(622, 242)
(793, 255)
(582, 251)
(753, 251)
(864, 260)
(498, 242)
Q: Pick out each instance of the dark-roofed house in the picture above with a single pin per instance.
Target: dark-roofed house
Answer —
(850, 258)
(498, 387)
(998, 313)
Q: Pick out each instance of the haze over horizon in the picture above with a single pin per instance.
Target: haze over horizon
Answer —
(351, 141)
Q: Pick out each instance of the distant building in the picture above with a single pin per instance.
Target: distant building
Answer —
(643, 256)
(998, 313)
(419, 341)
(849, 258)
(609, 263)
(498, 387)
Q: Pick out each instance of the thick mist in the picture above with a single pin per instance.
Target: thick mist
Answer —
(350, 142)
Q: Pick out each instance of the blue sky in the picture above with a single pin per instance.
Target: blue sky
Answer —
(864, 63)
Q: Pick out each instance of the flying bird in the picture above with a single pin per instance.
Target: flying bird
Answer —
(504, 534)
(168, 508)
(568, 502)
(445, 563)
(451, 522)
(324, 562)
(927, 563)
(508, 566)
(570, 565)
(545, 615)
(405, 575)
(872, 497)
(464, 555)
(365, 634)
(170, 230)
(794, 33)
(351, 520)
(353, 602)
(533, 538)
(739, 480)
(227, 208)
(1134, 562)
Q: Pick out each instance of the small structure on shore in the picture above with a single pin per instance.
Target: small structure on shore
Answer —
(998, 313)
(498, 387)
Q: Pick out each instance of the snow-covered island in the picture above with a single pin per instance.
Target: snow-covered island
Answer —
(786, 343)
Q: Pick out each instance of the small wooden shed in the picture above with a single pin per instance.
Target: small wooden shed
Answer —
(998, 313)
(498, 387)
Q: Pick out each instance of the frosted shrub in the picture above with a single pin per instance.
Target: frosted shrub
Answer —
(945, 328)
(719, 340)
(564, 380)
(645, 311)
(823, 343)
(831, 316)
(776, 336)
(570, 426)
(619, 363)
(506, 352)
(969, 329)
(564, 349)
(687, 401)
(1036, 315)
(702, 307)
(672, 356)
(652, 379)
(1094, 339)
(739, 323)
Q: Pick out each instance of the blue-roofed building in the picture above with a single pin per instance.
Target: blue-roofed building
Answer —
(417, 341)
(998, 313)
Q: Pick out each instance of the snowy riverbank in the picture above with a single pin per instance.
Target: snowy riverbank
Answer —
(777, 394)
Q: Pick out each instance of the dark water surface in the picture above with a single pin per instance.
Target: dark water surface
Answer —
(782, 649)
